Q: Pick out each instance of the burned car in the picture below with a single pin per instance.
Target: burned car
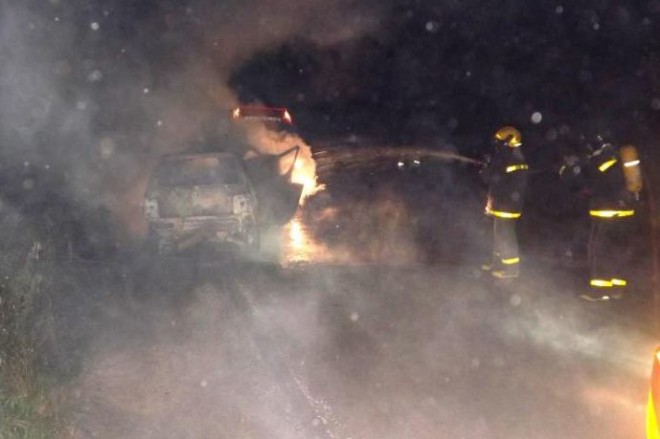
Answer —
(217, 198)
(223, 197)
(195, 198)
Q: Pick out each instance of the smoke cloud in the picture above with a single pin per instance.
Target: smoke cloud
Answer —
(97, 91)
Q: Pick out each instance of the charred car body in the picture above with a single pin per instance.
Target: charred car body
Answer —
(218, 198)
(194, 198)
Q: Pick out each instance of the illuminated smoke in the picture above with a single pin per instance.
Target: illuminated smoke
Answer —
(147, 85)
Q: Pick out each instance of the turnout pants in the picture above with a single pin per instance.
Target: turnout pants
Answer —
(505, 257)
(607, 255)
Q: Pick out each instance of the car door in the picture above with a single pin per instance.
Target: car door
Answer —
(277, 195)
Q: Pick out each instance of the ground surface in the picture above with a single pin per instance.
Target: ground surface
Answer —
(357, 335)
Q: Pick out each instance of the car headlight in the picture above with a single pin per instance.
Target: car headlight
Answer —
(242, 205)
(150, 209)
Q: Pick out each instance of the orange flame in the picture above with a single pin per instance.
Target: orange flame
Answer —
(304, 172)
(304, 169)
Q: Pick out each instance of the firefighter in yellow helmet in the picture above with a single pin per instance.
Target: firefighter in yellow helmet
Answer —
(614, 184)
(506, 176)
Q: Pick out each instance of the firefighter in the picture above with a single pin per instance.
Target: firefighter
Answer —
(614, 184)
(506, 176)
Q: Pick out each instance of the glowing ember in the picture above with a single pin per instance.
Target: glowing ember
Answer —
(296, 234)
(301, 246)
(287, 117)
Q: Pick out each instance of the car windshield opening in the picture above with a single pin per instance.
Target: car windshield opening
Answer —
(203, 171)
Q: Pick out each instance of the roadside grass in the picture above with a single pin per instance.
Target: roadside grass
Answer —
(30, 415)
(28, 406)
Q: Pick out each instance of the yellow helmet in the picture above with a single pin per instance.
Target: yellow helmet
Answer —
(510, 136)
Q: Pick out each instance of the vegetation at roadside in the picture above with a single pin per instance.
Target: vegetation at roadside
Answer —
(28, 401)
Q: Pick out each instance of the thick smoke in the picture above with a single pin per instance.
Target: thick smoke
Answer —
(97, 91)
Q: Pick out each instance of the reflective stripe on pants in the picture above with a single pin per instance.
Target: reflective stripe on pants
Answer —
(505, 244)
(502, 214)
(605, 213)
(607, 252)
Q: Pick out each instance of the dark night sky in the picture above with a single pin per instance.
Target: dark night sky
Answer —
(154, 72)
(453, 69)
(457, 70)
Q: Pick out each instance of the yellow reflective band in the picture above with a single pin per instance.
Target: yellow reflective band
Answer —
(631, 163)
(619, 282)
(511, 261)
(601, 283)
(652, 431)
(611, 213)
(606, 165)
(500, 214)
(508, 215)
(514, 168)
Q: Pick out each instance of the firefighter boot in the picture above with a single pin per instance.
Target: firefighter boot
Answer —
(494, 264)
(596, 295)
(592, 296)
(509, 272)
(509, 268)
(488, 266)
(617, 293)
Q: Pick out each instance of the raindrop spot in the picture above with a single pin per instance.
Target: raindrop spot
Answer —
(432, 26)
(655, 103)
(95, 76)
